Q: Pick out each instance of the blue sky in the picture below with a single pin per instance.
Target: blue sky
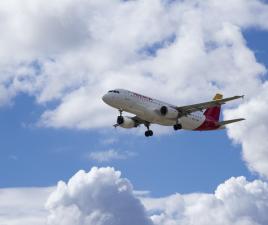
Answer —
(35, 156)
(181, 162)
(58, 58)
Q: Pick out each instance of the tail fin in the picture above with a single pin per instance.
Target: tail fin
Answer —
(213, 113)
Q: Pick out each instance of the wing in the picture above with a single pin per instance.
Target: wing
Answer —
(185, 110)
(138, 121)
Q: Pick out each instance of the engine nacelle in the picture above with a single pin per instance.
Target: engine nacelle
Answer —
(169, 112)
(126, 122)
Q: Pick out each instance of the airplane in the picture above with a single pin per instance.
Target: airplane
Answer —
(197, 117)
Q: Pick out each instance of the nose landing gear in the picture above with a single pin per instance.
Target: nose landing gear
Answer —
(120, 118)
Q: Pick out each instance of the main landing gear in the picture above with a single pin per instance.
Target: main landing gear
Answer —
(148, 132)
(177, 126)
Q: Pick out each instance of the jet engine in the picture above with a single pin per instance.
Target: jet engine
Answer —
(168, 112)
(125, 122)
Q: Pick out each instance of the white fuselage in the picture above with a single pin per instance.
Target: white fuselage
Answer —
(147, 109)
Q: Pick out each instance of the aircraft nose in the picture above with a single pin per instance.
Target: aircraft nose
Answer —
(105, 98)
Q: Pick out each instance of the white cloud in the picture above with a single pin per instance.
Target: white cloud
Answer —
(109, 155)
(20, 206)
(252, 133)
(73, 52)
(102, 197)
(99, 197)
(108, 141)
(236, 201)
(82, 49)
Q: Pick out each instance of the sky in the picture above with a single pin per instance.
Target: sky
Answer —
(58, 146)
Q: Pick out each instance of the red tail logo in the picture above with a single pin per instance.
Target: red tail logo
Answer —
(213, 113)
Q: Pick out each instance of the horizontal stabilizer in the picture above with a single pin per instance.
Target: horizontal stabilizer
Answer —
(222, 123)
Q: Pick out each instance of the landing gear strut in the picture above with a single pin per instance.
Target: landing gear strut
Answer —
(148, 132)
(120, 118)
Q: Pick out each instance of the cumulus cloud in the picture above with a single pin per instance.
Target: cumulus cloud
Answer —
(236, 201)
(74, 51)
(252, 134)
(101, 197)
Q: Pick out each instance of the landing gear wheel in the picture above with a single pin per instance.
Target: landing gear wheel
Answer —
(149, 133)
(177, 126)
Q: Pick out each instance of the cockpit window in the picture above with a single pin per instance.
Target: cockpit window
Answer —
(114, 91)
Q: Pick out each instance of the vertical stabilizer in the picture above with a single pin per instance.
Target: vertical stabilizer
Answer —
(213, 113)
